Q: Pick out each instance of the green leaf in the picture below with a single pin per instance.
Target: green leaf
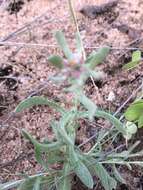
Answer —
(10, 185)
(37, 184)
(98, 57)
(80, 169)
(84, 175)
(88, 104)
(39, 158)
(119, 126)
(65, 182)
(40, 146)
(35, 101)
(55, 157)
(118, 175)
(28, 184)
(55, 125)
(63, 44)
(64, 128)
(127, 153)
(67, 118)
(136, 58)
(65, 136)
(107, 181)
(67, 122)
(131, 129)
(140, 121)
(56, 61)
(130, 65)
(116, 122)
(134, 111)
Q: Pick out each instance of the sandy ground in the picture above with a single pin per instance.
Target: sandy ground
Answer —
(29, 65)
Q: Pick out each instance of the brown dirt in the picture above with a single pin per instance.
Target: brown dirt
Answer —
(31, 68)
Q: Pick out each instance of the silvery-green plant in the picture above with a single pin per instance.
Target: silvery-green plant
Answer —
(60, 157)
(76, 69)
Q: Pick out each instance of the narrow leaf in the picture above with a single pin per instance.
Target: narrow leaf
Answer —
(119, 126)
(35, 101)
(63, 44)
(39, 158)
(97, 57)
(136, 58)
(80, 169)
(107, 181)
(56, 61)
(65, 182)
(118, 175)
(88, 104)
(10, 185)
(84, 175)
(65, 136)
(28, 184)
(37, 184)
(40, 146)
(130, 65)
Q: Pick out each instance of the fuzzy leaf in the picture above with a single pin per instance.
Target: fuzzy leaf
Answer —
(33, 183)
(55, 126)
(107, 181)
(39, 158)
(88, 104)
(119, 126)
(99, 113)
(80, 169)
(56, 61)
(63, 44)
(67, 122)
(35, 101)
(55, 157)
(131, 129)
(28, 184)
(42, 147)
(10, 185)
(98, 57)
(65, 183)
(37, 184)
(84, 175)
(118, 175)
(65, 136)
